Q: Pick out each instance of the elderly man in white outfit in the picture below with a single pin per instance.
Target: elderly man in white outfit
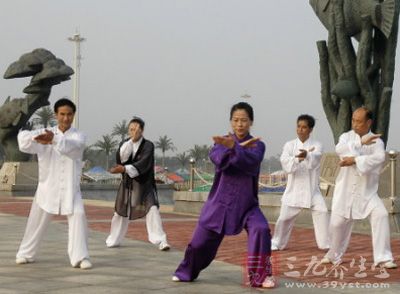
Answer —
(362, 154)
(301, 160)
(59, 150)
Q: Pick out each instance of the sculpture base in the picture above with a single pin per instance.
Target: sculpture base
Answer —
(19, 176)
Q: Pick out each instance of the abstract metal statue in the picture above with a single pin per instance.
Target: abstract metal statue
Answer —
(350, 79)
(46, 71)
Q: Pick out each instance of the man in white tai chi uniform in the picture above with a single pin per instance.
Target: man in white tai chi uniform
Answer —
(137, 194)
(301, 159)
(362, 154)
(59, 150)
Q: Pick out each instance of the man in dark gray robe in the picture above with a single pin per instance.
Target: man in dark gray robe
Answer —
(137, 194)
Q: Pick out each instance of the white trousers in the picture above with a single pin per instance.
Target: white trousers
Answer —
(285, 222)
(341, 228)
(119, 227)
(37, 224)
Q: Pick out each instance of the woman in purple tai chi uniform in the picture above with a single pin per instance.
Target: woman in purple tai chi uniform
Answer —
(232, 204)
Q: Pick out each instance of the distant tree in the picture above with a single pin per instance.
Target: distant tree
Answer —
(121, 130)
(164, 144)
(271, 164)
(200, 154)
(107, 145)
(183, 159)
(44, 117)
(92, 157)
(196, 153)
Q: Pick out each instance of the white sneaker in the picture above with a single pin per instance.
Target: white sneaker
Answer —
(274, 247)
(113, 246)
(325, 260)
(269, 282)
(85, 264)
(389, 264)
(23, 260)
(164, 246)
(175, 279)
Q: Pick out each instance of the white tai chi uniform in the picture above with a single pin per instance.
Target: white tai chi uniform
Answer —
(356, 197)
(58, 191)
(302, 191)
(119, 224)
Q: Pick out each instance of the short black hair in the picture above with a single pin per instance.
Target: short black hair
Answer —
(138, 120)
(308, 118)
(246, 107)
(64, 102)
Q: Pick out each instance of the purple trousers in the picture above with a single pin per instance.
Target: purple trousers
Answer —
(204, 245)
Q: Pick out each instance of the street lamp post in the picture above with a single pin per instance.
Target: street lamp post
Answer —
(392, 159)
(394, 213)
(77, 39)
(192, 162)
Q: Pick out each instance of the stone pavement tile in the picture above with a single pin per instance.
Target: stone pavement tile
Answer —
(37, 286)
(90, 277)
(33, 271)
(149, 284)
(9, 279)
(91, 290)
(13, 291)
(198, 287)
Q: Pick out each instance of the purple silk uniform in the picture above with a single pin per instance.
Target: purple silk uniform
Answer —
(231, 206)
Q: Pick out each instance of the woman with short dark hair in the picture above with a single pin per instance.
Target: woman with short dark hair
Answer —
(232, 204)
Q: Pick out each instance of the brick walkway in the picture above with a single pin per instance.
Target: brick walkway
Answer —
(296, 262)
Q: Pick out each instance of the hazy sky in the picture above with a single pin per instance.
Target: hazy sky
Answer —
(181, 64)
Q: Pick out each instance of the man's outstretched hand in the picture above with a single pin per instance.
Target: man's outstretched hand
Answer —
(45, 138)
(368, 140)
(118, 169)
(347, 161)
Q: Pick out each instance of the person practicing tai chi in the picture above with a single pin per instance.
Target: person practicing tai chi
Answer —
(301, 159)
(137, 193)
(59, 151)
(232, 204)
(362, 154)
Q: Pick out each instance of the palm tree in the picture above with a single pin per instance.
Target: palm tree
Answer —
(121, 129)
(183, 159)
(164, 144)
(196, 153)
(200, 153)
(44, 117)
(107, 145)
(206, 151)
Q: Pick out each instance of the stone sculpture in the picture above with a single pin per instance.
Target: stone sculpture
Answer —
(46, 71)
(350, 78)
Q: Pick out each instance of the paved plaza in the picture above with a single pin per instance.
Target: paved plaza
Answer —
(139, 267)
